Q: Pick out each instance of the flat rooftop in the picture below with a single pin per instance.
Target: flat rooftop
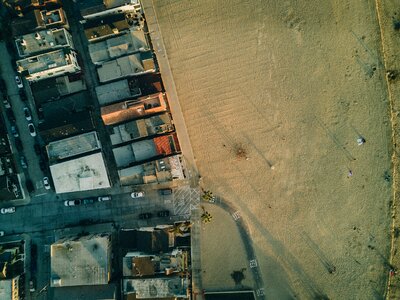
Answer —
(152, 288)
(42, 62)
(113, 92)
(83, 261)
(106, 26)
(41, 41)
(73, 146)
(135, 152)
(130, 42)
(80, 174)
(134, 109)
(126, 66)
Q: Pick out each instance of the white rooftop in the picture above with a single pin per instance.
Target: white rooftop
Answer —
(80, 174)
(83, 261)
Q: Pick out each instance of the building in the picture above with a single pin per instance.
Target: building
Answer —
(20, 7)
(37, 19)
(108, 26)
(47, 65)
(9, 289)
(137, 129)
(73, 146)
(129, 42)
(134, 64)
(81, 261)
(138, 86)
(43, 41)
(97, 8)
(134, 109)
(80, 174)
(153, 288)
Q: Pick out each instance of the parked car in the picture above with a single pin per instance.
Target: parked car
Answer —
(88, 201)
(7, 210)
(27, 114)
(165, 191)
(103, 198)
(29, 186)
(3, 87)
(14, 131)
(2, 233)
(74, 202)
(42, 165)
(6, 102)
(163, 213)
(46, 183)
(32, 285)
(32, 129)
(22, 95)
(18, 145)
(18, 81)
(10, 115)
(145, 216)
(23, 162)
(135, 195)
(37, 149)
(40, 114)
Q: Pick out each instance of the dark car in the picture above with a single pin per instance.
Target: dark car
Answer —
(40, 114)
(18, 145)
(29, 186)
(22, 95)
(166, 191)
(10, 115)
(24, 164)
(3, 87)
(163, 213)
(145, 216)
(37, 149)
(42, 165)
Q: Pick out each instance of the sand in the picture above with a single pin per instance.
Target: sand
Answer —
(293, 84)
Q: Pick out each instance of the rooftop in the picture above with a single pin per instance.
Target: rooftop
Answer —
(141, 128)
(42, 41)
(135, 152)
(42, 62)
(73, 146)
(88, 7)
(134, 109)
(153, 288)
(130, 42)
(7, 289)
(81, 261)
(133, 64)
(53, 17)
(80, 174)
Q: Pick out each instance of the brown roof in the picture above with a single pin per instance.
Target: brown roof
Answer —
(142, 266)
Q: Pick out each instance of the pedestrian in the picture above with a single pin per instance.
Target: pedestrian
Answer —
(360, 141)
(350, 174)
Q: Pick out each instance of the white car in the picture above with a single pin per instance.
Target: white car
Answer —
(103, 198)
(135, 195)
(32, 129)
(46, 183)
(72, 202)
(27, 114)
(7, 210)
(1, 233)
(19, 82)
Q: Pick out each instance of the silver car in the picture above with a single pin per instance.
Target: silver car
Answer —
(7, 210)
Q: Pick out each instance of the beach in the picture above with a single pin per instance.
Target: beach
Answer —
(276, 97)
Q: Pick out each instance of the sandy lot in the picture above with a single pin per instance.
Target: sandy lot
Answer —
(293, 83)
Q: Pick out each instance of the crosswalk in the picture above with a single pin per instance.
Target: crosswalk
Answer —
(185, 199)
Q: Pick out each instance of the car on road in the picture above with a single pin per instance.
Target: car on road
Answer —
(2, 233)
(14, 131)
(166, 191)
(18, 145)
(3, 87)
(23, 96)
(163, 213)
(10, 115)
(24, 164)
(29, 186)
(6, 102)
(32, 129)
(73, 202)
(7, 210)
(103, 198)
(46, 183)
(87, 201)
(135, 195)
(18, 81)
(32, 285)
(42, 165)
(27, 114)
(145, 216)
(37, 149)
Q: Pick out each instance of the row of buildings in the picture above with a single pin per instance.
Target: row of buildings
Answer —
(134, 105)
